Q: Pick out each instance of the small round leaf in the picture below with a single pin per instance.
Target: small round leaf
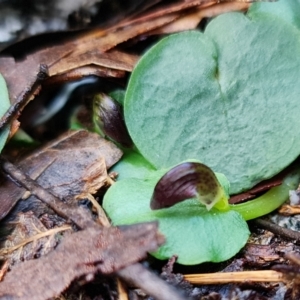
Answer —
(193, 233)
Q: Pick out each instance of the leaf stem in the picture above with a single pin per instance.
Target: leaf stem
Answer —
(269, 201)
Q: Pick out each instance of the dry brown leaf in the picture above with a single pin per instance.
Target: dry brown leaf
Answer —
(79, 73)
(87, 52)
(83, 253)
(114, 59)
(192, 19)
(23, 76)
(73, 164)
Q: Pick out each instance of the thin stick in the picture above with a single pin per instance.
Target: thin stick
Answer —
(281, 231)
(235, 277)
(101, 214)
(150, 283)
(122, 293)
(76, 214)
(5, 251)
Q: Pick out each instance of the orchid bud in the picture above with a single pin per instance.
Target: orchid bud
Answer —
(109, 120)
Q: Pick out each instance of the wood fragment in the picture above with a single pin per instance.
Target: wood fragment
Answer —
(259, 255)
(122, 293)
(23, 81)
(281, 231)
(3, 270)
(103, 250)
(5, 251)
(78, 215)
(235, 277)
(151, 284)
(289, 210)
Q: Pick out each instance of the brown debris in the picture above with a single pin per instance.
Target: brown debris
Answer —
(79, 73)
(260, 255)
(151, 284)
(289, 210)
(83, 253)
(114, 59)
(91, 50)
(281, 231)
(73, 164)
(259, 188)
(191, 19)
(291, 273)
(235, 277)
(29, 239)
(23, 80)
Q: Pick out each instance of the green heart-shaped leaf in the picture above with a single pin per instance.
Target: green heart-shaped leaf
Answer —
(4, 106)
(288, 10)
(193, 233)
(229, 98)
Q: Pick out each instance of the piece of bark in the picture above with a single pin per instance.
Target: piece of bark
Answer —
(260, 255)
(276, 229)
(80, 72)
(73, 164)
(258, 189)
(77, 214)
(289, 210)
(150, 283)
(83, 253)
(29, 239)
(23, 81)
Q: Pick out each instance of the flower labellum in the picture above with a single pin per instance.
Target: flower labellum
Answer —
(189, 180)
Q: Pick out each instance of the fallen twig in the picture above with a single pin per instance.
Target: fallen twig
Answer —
(76, 214)
(284, 232)
(235, 277)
